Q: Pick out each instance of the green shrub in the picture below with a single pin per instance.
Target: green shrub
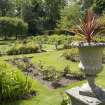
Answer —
(50, 73)
(99, 38)
(103, 58)
(20, 64)
(66, 70)
(12, 26)
(65, 99)
(12, 82)
(100, 31)
(70, 39)
(23, 48)
(67, 42)
(78, 37)
(72, 54)
(59, 39)
(52, 39)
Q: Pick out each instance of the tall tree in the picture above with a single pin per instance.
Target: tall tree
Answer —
(86, 4)
(53, 8)
(69, 17)
(33, 14)
(43, 14)
(20, 6)
(6, 7)
(99, 6)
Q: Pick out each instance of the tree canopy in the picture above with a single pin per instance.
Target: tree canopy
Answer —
(69, 16)
(44, 15)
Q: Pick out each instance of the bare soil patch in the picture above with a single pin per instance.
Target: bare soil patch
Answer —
(31, 70)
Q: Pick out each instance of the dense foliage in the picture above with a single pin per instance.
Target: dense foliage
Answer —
(70, 16)
(101, 22)
(88, 25)
(6, 7)
(99, 6)
(12, 82)
(12, 27)
(58, 60)
(47, 15)
(23, 48)
(72, 54)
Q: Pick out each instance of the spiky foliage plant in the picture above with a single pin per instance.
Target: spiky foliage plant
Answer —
(88, 25)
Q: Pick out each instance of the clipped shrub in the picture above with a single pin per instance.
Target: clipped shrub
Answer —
(13, 84)
(23, 48)
(12, 26)
(72, 54)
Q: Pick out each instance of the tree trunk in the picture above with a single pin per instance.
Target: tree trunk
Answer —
(5, 38)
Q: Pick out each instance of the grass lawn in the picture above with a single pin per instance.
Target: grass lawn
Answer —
(46, 96)
(52, 58)
(101, 78)
(55, 59)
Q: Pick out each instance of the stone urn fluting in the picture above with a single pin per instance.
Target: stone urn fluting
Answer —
(91, 65)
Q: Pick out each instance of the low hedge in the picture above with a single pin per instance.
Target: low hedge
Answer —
(72, 54)
(23, 49)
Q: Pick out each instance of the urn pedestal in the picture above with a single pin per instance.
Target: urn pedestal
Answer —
(91, 65)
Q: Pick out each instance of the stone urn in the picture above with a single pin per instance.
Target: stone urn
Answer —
(91, 65)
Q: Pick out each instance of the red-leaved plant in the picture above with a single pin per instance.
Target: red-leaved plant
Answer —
(88, 25)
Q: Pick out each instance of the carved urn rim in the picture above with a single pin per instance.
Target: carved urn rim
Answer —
(87, 45)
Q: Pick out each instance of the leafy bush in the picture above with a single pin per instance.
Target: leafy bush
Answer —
(77, 37)
(23, 48)
(54, 39)
(68, 41)
(72, 54)
(99, 39)
(59, 39)
(12, 26)
(12, 82)
(65, 100)
(101, 22)
(68, 73)
(50, 73)
(66, 70)
(18, 63)
(103, 57)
